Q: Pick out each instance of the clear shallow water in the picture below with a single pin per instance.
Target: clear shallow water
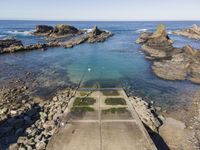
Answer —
(114, 63)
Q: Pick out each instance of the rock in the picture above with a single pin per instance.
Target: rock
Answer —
(169, 62)
(40, 145)
(14, 147)
(94, 36)
(96, 31)
(58, 31)
(13, 112)
(3, 111)
(62, 29)
(145, 113)
(43, 30)
(98, 35)
(193, 32)
(22, 140)
(6, 43)
(175, 134)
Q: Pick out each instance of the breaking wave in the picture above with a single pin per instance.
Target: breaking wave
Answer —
(141, 30)
(16, 32)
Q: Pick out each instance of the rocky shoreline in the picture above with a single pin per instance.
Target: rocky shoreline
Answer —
(31, 124)
(169, 62)
(58, 36)
(192, 33)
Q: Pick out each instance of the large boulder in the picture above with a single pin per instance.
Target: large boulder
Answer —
(65, 29)
(9, 43)
(43, 30)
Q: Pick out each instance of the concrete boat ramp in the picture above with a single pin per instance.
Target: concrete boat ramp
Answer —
(102, 119)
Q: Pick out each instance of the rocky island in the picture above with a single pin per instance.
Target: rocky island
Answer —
(193, 32)
(61, 35)
(169, 62)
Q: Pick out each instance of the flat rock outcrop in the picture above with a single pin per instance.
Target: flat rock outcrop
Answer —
(169, 62)
(8, 43)
(193, 32)
(13, 45)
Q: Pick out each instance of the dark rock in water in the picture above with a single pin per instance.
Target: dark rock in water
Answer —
(169, 62)
(55, 34)
(94, 36)
(9, 43)
(98, 35)
(96, 31)
(58, 31)
(65, 29)
(43, 30)
(193, 32)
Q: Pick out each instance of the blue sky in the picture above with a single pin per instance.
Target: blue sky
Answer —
(104, 10)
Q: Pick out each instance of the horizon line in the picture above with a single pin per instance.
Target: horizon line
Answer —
(94, 20)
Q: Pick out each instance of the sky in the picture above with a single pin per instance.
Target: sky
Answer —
(100, 10)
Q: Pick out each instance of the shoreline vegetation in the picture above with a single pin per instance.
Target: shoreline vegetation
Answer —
(59, 36)
(30, 124)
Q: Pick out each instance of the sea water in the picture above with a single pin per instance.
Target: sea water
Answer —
(118, 62)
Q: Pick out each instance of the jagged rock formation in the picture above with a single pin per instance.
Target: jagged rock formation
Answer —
(169, 62)
(60, 31)
(193, 32)
(94, 36)
(43, 30)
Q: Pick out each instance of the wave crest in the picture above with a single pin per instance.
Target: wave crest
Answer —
(16, 32)
(141, 30)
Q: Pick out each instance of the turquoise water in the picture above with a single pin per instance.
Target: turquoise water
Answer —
(118, 62)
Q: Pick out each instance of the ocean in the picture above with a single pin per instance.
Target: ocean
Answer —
(118, 62)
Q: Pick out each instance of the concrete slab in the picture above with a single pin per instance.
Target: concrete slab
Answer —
(97, 130)
(123, 136)
(106, 114)
(76, 136)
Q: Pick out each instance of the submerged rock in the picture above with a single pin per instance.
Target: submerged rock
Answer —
(193, 32)
(169, 62)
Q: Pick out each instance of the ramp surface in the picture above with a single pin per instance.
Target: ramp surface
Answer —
(101, 120)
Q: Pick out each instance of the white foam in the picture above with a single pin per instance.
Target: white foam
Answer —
(90, 30)
(169, 32)
(2, 35)
(25, 33)
(141, 30)
(87, 30)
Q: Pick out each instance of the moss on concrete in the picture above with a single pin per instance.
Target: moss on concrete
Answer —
(114, 110)
(110, 93)
(115, 101)
(84, 101)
